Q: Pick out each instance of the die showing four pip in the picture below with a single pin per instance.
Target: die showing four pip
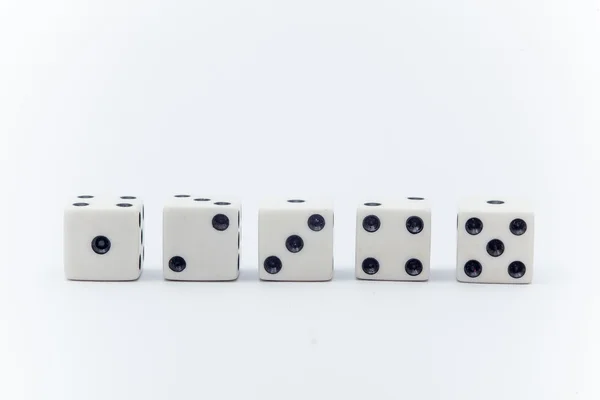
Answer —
(104, 239)
(393, 240)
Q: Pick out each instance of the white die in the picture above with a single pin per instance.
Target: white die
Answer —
(104, 238)
(393, 240)
(495, 241)
(201, 239)
(295, 240)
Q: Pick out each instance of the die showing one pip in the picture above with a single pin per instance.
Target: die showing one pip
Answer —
(104, 238)
(201, 239)
(295, 240)
(495, 241)
(393, 240)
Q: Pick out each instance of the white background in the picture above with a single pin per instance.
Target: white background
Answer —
(351, 100)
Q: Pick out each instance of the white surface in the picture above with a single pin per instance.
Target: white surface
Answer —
(280, 219)
(188, 232)
(442, 99)
(122, 226)
(496, 219)
(392, 245)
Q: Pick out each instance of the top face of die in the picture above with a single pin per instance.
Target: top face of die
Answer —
(83, 203)
(201, 202)
(495, 206)
(399, 204)
(296, 204)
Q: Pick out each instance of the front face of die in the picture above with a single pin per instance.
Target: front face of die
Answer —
(103, 239)
(296, 242)
(393, 240)
(201, 239)
(495, 244)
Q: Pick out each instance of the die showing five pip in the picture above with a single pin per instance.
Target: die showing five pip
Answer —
(104, 239)
(495, 241)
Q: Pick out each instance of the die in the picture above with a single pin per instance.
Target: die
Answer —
(393, 240)
(295, 240)
(495, 241)
(201, 239)
(104, 238)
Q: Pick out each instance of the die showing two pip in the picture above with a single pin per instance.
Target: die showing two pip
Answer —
(201, 238)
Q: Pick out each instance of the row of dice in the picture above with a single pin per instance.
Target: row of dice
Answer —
(104, 240)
